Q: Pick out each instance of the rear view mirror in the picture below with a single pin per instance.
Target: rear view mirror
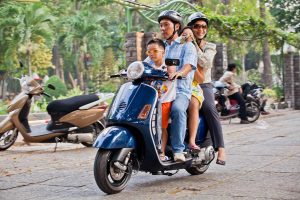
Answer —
(50, 86)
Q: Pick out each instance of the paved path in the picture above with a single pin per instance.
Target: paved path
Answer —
(263, 163)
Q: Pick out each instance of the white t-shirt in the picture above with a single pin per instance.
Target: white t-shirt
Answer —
(166, 89)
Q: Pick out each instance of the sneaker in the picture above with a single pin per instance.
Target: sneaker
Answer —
(243, 121)
(179, 157)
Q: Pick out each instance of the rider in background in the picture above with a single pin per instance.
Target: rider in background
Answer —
(166, 89)
(206, 52)
(170, 23)
(234, 91)
(197, 94)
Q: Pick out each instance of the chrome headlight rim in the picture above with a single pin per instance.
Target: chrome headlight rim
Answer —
(135, 70)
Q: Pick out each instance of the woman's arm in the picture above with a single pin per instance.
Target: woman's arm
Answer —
(205, 59)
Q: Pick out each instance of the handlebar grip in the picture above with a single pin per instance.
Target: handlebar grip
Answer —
(115, 75)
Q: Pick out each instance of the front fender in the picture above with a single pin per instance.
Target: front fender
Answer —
(115, 137)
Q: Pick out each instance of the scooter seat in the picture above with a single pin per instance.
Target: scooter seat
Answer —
(70, 104)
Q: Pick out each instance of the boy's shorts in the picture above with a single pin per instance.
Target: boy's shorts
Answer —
(197, 92)
(165, 112)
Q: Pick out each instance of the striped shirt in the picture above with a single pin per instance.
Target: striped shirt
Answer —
(187, 54)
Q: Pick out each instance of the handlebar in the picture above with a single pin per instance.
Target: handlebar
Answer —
(114, 76)
(47, 95)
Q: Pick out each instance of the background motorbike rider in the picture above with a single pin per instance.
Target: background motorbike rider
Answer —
(205, 55)
(234, 91)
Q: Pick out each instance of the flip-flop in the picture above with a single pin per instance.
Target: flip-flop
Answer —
(220, 162)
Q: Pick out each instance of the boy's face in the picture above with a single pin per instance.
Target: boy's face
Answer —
(155, 52)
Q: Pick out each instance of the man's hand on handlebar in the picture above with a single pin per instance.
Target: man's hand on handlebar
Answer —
(176, 75)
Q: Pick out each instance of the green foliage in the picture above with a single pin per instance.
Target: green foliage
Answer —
(108, 87)
(286, 13)
(3, 107)
(269, 93)
(279, 92)
(60, 88)
(254, 76)
(71, 93)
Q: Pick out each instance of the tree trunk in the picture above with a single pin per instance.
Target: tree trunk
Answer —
(71, 79)
(57, 62)
(267, 73)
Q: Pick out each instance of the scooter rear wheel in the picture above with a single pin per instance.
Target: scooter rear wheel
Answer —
(8, 139)
(252, 110)
(109, 178)
(198, 169)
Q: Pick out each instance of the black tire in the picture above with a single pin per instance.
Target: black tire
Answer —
(103, 168)
(197, 170)
(253, 111)
(8, 139)
(98, 127)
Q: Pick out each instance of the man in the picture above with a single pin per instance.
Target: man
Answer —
(206, 52)
(234, 90)
(170, 23)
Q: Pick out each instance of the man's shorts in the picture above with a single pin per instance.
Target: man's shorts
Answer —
(165, 112)
(197, 92)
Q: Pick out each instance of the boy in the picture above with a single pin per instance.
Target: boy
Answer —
(166, 89)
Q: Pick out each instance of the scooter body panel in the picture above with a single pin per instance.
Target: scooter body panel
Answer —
(83, 118)
(6, 125)
(130, 101)
(18, 102)
(115, 137)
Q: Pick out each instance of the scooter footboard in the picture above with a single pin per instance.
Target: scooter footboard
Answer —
(115, 137)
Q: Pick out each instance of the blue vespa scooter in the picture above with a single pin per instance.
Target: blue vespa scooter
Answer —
(129, 141)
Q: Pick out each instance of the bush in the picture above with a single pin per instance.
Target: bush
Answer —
(108, 87)
(60, 87)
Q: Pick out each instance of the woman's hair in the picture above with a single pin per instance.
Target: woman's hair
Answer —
(157, 41)
(231, 67)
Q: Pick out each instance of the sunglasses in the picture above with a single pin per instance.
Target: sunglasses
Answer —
(198, 26)
(154, 51)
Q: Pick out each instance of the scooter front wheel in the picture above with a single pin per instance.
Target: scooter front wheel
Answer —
(198, 169)
(8, 139)
(109, 178)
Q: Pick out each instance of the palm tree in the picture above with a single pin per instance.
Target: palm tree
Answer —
(22, 27)
(84, 34)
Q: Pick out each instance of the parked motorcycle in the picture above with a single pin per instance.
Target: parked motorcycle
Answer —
(75, 120)
(231, 110)
(256, 92)
(129, 141)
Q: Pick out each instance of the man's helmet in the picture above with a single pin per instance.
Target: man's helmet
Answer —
(195, 17)
(172, 15)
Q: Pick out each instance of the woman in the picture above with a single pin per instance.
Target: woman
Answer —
(206, 52)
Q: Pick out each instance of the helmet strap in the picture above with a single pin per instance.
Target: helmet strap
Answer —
(174, 32)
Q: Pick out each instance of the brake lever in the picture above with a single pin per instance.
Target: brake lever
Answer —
(47, 95)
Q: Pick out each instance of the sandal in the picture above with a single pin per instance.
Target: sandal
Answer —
(162, 157)
(220, 162)
(194, 148)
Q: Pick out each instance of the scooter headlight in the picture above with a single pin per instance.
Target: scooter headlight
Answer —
(135, 70)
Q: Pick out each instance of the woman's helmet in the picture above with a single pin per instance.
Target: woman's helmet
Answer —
(195, 17)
